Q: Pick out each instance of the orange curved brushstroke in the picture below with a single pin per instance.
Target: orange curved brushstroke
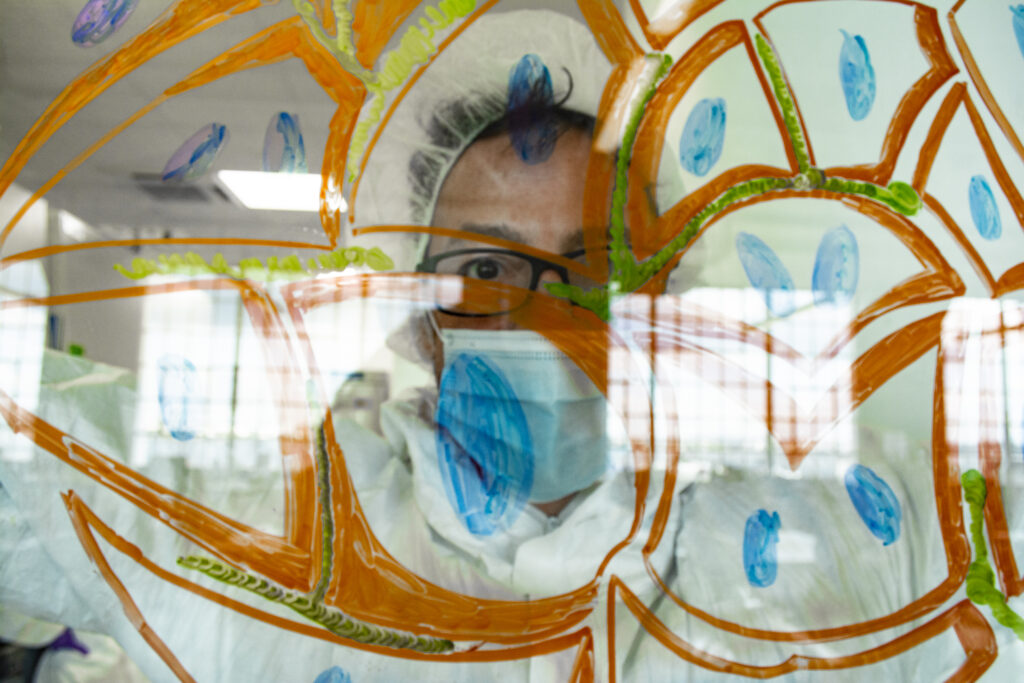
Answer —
(641, 211)
(287, 38)
(555, 644)
(182, 20)
(977, 263)
(610, 32)
(995, 337)
(946, 480)
(75, 506)
(942, 68)
(280, 559)
(937, 282)
(979, 83)
(956, 98)
(672, 21)
(972, 630)
(583, 666)
(626, 57)
(374, 22)
(456, 32)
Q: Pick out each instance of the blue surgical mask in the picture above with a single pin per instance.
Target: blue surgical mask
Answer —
(517, 421)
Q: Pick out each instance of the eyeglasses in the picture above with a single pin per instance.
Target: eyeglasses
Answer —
(503, 266)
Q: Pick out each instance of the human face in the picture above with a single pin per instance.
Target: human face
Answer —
(491, 191)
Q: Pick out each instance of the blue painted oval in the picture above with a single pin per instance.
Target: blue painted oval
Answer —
(283, 148)
(175, 389)
(983, 209)
(703, 136)
(875, 502)
(857, 76)
(99, 19)
(333, 675)
(760, 539)
(195, 157)
(765, 272)
(836, 266)
(483, 441)
(532, 128)
(1018, 26)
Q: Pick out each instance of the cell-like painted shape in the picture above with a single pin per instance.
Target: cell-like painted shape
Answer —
(175, 390)
(532, 129)
(194, 158)
(283, 148)
(857, 76)
(333, 675)
(984, 211)
(760, 539)
(700, 144)
(875, 502)
(1018, 26)
(483, 442)
(836, 266)
(99, 19)
(766, 273)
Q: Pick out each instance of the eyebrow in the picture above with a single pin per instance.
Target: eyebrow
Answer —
(572, 242)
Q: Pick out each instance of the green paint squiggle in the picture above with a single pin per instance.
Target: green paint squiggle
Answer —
(329, 617)
(981, 585)
(627, 275)
(288, 268)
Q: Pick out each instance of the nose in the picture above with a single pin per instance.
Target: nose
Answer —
(546, 276)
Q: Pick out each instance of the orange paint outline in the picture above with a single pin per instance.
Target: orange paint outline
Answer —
(957, 98)
(664, 28)
(287, 560)
(946, 477)
(979, 82)
(181, 21)
(80, 514)
(287, 38)
(941, 69)
(972, 629)
(83, 517)
(649, 231)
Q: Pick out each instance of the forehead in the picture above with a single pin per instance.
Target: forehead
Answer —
(492, 191)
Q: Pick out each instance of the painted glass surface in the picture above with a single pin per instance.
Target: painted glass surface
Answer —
(636, 340)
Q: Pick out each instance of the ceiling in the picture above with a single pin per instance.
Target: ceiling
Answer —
(38, 59)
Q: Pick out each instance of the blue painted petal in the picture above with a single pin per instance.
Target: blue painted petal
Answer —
(766, 273)
(1018, 26)
(333, 675)
(983, 209)
(99, 19)
(700, 145)
(195, 157)
(483, 441)
(875, 502)
(283, 148)
(856, 76)
(836, 267)
(532, 129)
(176, 385)
(759, 542)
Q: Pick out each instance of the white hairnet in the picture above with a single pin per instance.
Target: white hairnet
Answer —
(460, 94)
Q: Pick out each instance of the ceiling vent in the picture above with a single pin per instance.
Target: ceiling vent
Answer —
(155, 187)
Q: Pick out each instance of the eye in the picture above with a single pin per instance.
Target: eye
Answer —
(484, 268)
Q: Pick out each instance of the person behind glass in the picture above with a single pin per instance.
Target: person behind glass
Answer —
(521, 179)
